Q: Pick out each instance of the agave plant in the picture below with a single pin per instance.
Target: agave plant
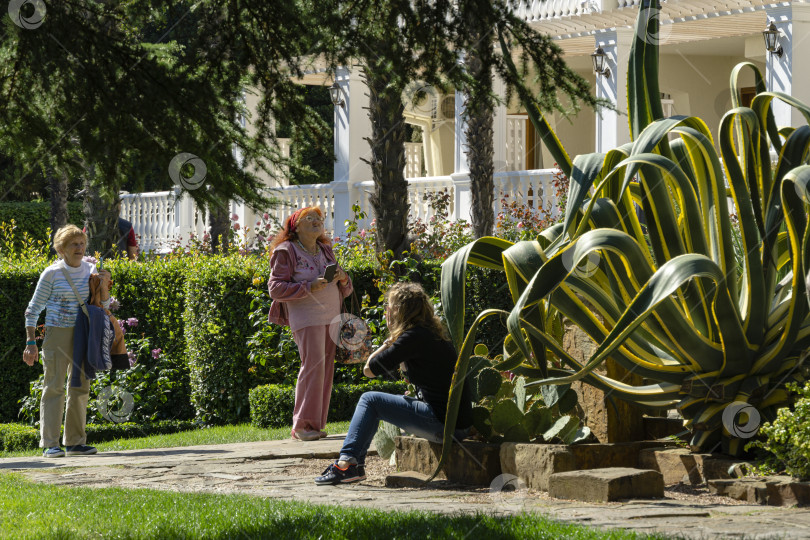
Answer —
(663, 295)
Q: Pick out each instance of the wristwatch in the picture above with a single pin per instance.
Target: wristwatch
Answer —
(31, 342)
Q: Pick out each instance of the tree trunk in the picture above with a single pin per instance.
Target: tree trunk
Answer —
(480, 149)
(387, 142)
(58, 181)
(100, 216)
(220, 227)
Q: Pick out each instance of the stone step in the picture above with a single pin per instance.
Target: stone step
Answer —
(603, 485)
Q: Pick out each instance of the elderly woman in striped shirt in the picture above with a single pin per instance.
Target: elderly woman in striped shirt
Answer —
(55, 295)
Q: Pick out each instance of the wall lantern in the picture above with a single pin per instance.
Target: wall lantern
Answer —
(599, 59)
(336, 94)
(771, 35)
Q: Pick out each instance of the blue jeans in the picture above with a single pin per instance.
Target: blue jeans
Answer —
(405, 412)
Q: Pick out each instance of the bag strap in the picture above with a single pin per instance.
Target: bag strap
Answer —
(75, 291)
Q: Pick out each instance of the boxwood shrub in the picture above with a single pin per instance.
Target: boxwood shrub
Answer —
(271, 405)
(18, 279)
(196, 309)
(217, 328)
(21, 437)
(34, 217)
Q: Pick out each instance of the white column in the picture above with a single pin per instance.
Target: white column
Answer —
(789, 73)
(499, 128)
(611, 126)
(352, 126)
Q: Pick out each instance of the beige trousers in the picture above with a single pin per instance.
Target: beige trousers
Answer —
(57, 359)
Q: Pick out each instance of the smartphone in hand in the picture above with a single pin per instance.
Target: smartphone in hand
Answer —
(100, 265)
(329, 273)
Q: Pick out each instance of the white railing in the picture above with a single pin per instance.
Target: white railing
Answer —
(540, 10)
(515, 143)
(160, 219)
(534, 189)
(413, 159)
(294, 197)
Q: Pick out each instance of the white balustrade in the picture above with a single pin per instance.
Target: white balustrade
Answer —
(539, 10)
(413, 159)
(161, 218)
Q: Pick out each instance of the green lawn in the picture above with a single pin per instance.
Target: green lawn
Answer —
(29, 510)
(213, 435)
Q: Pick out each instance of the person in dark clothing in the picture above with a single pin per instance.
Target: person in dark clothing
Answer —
(125, 240)
(419, 346)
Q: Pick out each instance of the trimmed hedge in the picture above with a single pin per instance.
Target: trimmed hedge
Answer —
(35, 217)
(17, 283)
(196, 309)
(217, 330)
(272, 405)
(20, 437)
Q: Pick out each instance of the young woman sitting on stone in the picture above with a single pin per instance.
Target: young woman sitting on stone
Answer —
(419, 345)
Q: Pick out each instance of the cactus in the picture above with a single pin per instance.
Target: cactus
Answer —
(504, 412)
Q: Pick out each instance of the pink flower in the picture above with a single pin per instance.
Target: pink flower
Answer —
(261, 238)
(236, 226)
(520, 225)
(373, 222)
(156, 353)
(362, 233)
(266, 217)
(114, 304)
(132, 322)
(235, 217)
(91, 260)
(132, 358)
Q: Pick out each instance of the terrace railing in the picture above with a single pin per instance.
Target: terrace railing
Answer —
(163, 219)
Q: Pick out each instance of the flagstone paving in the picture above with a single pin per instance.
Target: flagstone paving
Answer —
(283, 470)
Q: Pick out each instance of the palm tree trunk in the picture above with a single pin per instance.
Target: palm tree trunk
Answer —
(480, 149)
(390, 197)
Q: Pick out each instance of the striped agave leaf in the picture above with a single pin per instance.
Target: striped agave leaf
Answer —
(665, 299)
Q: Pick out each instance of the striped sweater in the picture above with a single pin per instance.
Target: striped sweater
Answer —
(54, 295)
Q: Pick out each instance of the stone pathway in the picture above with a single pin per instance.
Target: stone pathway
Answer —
(258, 469)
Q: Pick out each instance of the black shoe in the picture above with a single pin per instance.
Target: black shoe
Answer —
(361, 472)
(80, 450)
(334, 475)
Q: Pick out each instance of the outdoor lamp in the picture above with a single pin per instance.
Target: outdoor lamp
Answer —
(336, 94)
(599, 59)
(771, 35)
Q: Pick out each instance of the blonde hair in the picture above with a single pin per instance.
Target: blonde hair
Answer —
(65, 235)
(410, 306)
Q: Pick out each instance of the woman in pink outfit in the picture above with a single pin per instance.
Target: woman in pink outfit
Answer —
(307, 303)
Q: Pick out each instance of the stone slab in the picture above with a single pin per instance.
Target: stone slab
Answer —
(471, 463)
(681, 465)
(535, 463)
(605, 485)
(406, 479)
(770, 490)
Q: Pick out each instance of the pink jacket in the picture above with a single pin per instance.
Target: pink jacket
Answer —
(281, 286)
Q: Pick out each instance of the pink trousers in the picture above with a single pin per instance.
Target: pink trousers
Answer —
(314, 387)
